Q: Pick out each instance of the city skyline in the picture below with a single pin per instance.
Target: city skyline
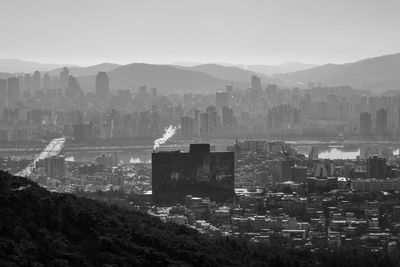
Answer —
(255, 32)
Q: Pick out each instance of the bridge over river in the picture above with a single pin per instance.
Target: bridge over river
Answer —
(52, 149)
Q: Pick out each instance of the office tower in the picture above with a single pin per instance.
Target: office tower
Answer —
(212, 119)
(13, 94)
(155, 121)
(73, 89)
(365, 124)
(255, 82)
(298, 174)
(46, 82)
(381, 122)
(186, 126)
(3, 92)
(284, 170)
(221, 100)
(36, 84)
(84, 131)
(188, 100)
(229, 90)
(196, 122)
(314, 153)
(64, 76)
(55, 166)
(204, 125)
(102, 85)
(199, 172)
(27, 83)
(227, 115)
(376, 167)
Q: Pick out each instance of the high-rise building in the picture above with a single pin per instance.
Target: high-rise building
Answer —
(255, 82)
(13, 94)
(229, 91)
(298, 174)
(381, 122)
(376, 168)
(365, 124)
(204, 125)
(284, 170)
(227, 115)
(27, 83)
(64, 76)
(3, 92)
(186, 126)
(102, 84)
(200, 173)
(55, 166)
(212, 119)
(221, 100)
(196, 122)
(36, 81)
(46, 82)
(73, 89)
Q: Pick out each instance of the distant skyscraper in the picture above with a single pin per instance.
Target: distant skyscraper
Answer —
(3, 92)
(212, 119)
(36, 84)
(46, 81)
(64, 76)
(284, 170)
(227, 115)
(186, 126)
(13, 93)
(255, 82)
(102, 84)
(365, 124)
(73, 89)
(221, 100)
(27, 83)
(229, 90)
(204, 125)
(381, 122)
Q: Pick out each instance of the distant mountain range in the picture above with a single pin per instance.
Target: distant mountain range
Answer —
(12, 65)
(265, 69)
(85, 71)
(375, 74)
(166, 78)
(281, 68)
(228, 73)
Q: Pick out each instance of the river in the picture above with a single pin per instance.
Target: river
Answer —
(142, 153)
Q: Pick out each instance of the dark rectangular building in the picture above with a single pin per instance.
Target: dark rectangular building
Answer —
(199, 173)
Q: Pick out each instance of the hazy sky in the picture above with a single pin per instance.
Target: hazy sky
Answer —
(163, 31)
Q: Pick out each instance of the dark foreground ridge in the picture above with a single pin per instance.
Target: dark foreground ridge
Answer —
(39, 228)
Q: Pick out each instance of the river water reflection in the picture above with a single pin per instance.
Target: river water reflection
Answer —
(142, 154)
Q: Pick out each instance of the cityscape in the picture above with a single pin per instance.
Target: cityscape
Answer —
(199, 162)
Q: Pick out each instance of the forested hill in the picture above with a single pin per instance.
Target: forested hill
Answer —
(39, 228)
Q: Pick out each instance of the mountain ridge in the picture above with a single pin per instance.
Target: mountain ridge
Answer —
(166, 78)
(376, 74)
(14, 65)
